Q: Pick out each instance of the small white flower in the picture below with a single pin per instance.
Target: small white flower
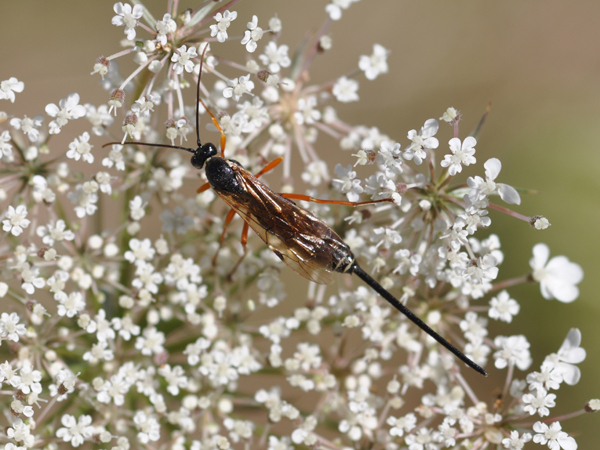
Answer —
(386, 237)
(558, 277)
(99, 352)
(75, 431)
(147, 278)
(137, 206)
(163, 27)
(183, 59)
(68, 109)
(315, 173)
(402, 424)
(144, 105)
(5, 147)
(223, 21)
(71, 305)
(484, 188)
(503, 308)
(513, 350)
(148, 426)
(99, 118)
(252, 35)
(128, 17)
(9, 87)
(65, 381)
(238, 87)
(129, 127)
(541, 223)
(41, 191)
(375, 64)
(29, 126)
(540, 402)
(178, 129)
(275, 57)
(126, 327)
(103, 179)
(16, 220)
(151, 342)
(553, 436)
(29, 379)
(20, 432)
(140, 250)
(81, 148)
(176, 221)
(421, 141)
(116, 100)
(516, 442)
(546, 378)
(570, 353)
(462, 155)
(175, 378)
(306, 113)
(115, 158)
(347, 183)
(334, 9)
(85, 198)
(451, 115)
(389, 157)
(345, 90)
(474, 326)
(10, 328)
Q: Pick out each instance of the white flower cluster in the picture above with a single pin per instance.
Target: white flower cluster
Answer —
(176, 335)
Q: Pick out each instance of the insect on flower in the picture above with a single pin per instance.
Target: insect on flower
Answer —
(300, 239)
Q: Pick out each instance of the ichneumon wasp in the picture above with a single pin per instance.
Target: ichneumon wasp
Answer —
(300, 239)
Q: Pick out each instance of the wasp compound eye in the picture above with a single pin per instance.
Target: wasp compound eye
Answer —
(198, 160)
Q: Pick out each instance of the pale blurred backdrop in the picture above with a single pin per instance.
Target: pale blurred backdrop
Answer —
(538, 62)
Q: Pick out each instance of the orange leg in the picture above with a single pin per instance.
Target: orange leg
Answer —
(216, 122)
(244, 242)
(245, 236)
(203, 188)
(228, 219)
(269, 166)
(308, 198)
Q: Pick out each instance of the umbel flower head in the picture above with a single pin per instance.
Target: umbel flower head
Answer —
(131, 318)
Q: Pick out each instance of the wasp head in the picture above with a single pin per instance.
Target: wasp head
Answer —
(202, 153)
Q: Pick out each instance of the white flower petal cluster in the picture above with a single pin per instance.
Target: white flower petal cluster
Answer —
(9, 87)
(558, 277)
(252, 35)
(375, 64)
(16, 220)
(223, 22)
(128, 17)
(67, 109)
(192, 336)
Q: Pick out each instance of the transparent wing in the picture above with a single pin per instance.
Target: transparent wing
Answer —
(296, 252)
(296, 236)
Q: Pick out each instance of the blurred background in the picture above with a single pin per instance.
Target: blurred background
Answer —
(538, 63)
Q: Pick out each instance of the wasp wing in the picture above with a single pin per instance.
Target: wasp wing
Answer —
(296, 252)
(300, 239)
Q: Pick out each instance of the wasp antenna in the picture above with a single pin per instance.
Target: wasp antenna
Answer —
(216, 122)
(198, 92)
(408, 313)
(150, 145)
(214, 119)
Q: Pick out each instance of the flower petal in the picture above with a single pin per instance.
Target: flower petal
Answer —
(492, 168)
(568, 271)
(541, 252)
(509, 194)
